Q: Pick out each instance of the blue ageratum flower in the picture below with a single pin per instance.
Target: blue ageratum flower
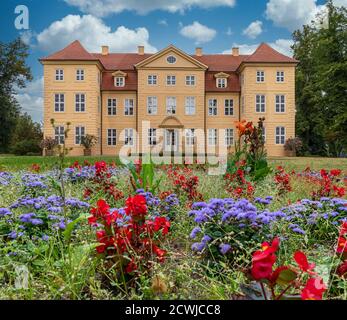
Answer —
(224, 248)
(5, 212)
(195, 232)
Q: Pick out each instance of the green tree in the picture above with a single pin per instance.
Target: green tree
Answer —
(26, 137)
(321, 82)
(13, 74)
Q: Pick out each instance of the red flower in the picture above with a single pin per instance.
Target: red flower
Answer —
(341, 245)
(159, 252)
(161, 223)
(102, 209)
(335, 172)
(340, 191)
(314, 289)
(343, 230)
(136, 206)
(263, 260)
(131, 267)
(342, 270)
(302, 262)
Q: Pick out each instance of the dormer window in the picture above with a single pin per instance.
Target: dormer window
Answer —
(119, 78)
(119, 81)
(221, 80)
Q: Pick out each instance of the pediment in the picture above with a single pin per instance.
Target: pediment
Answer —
(171, 122)
(221, 75)
(119, 73)
(160, 60)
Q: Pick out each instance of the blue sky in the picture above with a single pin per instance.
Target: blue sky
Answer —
(215, 25)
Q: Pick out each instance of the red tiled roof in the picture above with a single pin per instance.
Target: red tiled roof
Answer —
(221, 62)
(233, 83)
(107, 83)
(266, 54)
(120, 61)
(74, 51)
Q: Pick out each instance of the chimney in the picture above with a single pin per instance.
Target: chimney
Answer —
(141, 50)
(104, 50)
(198, 52)
(235, 52)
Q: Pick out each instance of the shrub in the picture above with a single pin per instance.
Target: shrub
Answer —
(293, 144)
(25, 147)
(89, 141)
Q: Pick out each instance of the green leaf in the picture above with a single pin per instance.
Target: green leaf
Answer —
(69, 228)
(286, 276)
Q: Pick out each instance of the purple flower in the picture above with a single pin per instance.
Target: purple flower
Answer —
(195, 232)
(224, 248)
(198, 246)
(206, 239)
(5, 212)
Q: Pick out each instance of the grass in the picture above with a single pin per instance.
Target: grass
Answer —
(14, 163)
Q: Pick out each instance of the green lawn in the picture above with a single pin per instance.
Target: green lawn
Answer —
(13, 163)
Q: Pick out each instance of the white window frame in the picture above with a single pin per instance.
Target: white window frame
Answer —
(280, 76)
(79, 134)
(280, 103)
(152, 80)
(111, 107)
(260, 76)
(129, 137)
(260, 106)
(59, 75)
(212, 107)
(190, 106)
(229, 137)
(119, 82)
(152, 105)
(59, 104)
(111, 137)
(59, 134)
(80, 102)
(190, 137)
(152, 136)
(129, 107)
(190, 80)
(80, 75)
(280, 135)
(212, 137)
(221, 83)
(229, 107)
(170, 80)
(171, 105)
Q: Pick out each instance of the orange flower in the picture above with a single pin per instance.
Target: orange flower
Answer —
(241, 127)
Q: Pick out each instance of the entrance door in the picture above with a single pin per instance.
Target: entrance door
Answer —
(171, 140)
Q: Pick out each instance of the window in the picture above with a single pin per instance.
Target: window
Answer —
(59, 75)
(171, 80)
(59, 134)
(129, 137)
(260, 103)
(229, 137)
(221, 82)
(152, 80)
(280, 103)
(80, 132)
(212, 107)
(80, 102)
(119, 81)
(111, 107)
(152, 105)
(229, 107)
(171, 59)
(171, 105)
(80, 75)
(264, 134)
(280, 76)
(111, 137)
(260, 76)
(59, 102)
(190, 80)
(280, 135)
(190, 137)
(152, 137)
(129, 107)
(212, 137)
(190, 105)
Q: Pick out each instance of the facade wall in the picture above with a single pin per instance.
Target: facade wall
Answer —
(96, 114)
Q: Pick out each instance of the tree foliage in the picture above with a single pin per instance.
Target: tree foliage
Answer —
(321, 83)
(13, 75)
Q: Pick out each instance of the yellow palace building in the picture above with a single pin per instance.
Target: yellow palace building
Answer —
(167, 101)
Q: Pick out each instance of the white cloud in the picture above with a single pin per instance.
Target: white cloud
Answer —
(163, 22)
(254, 29)
(93, 33)
(31, 99)
(198, 32)
(281, 45)
(103, 8)
(340, 3)
(229, 32)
